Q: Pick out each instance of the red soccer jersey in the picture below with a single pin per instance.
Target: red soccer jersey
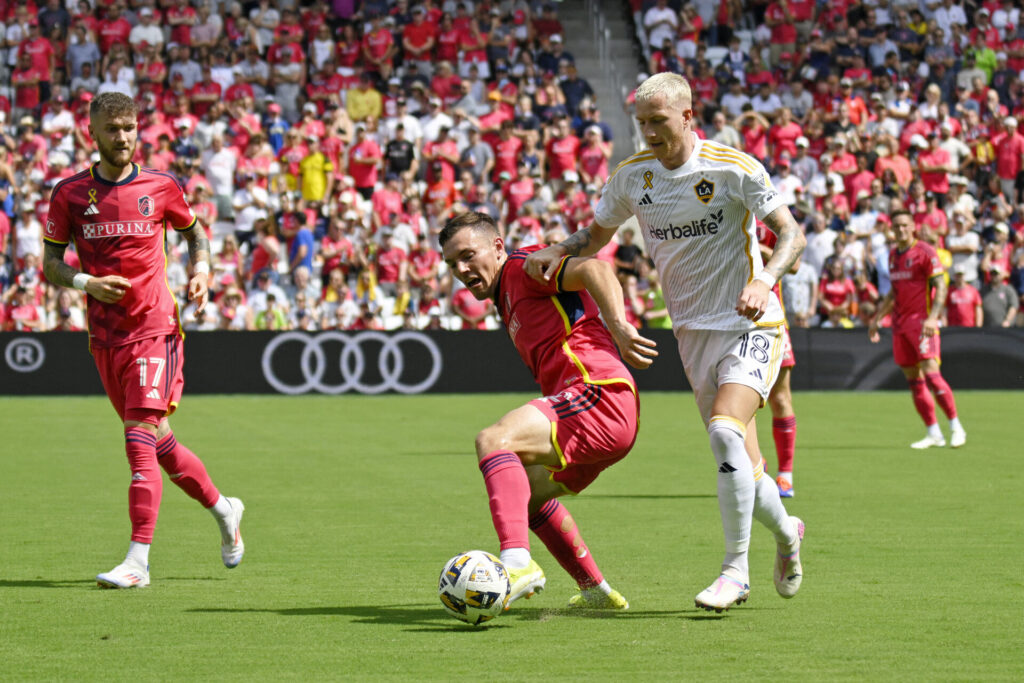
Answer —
(961, 306)
(565, 341)
(910, 272)
(119, 229)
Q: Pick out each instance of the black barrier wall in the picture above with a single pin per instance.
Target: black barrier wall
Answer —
(58, 363)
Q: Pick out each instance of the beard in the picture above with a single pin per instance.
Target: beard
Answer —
(119, 158)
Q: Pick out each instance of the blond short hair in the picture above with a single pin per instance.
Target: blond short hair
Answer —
(674, 87)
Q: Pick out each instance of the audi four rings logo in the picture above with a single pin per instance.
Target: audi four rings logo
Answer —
(352, 363)
(24, 354)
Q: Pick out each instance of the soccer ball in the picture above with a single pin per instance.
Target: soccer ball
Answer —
(474, 587)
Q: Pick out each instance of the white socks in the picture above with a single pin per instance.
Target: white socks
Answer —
(935, 432)
(769, 510)
(138, 553)
(515, 558)
(955, 425)
(735, 492)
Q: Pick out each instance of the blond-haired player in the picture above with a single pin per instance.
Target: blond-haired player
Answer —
(695, 201)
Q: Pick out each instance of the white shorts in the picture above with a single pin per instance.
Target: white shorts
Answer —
(712, 358)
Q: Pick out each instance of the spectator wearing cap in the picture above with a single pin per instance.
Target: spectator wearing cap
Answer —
(287, 74)
(147, 32)
(783, 134)
(506, 151)
(804, 166)
(364, 100)
(963, 302)
(478, 158)
(418, 41)
(552, 54)
(364, 160)
(440, 191)
(400, 157)
(734, 99)
(387, 201)
(316, 172)
(573, 203)
(594, 156)
(42, 54)
(789, 186)
(959, 152)
(441, 153)
(473, 47)
(934, 166)
(58, 125)
(1009, 148)
(969, 71)
(562, 151)
(983, 32)
(27, 92)
(253, 71)
(999, 301)
(250, 203)
(932, 223)
(1003, 77)
(964, 244)
(798, 100)
(999, 251)
(516, 190)
(379, 48)
(665, 58)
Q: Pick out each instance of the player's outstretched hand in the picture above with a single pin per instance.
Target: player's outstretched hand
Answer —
(109, 289)
(198, 290)
(753, 301)
(541, 265)
(873, 335)
(637, 350)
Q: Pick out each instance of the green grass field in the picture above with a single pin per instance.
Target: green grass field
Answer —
(913, 560)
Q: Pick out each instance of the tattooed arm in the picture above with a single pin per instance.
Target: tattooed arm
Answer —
(199, 257)
(753, 300)
(108, 289)
(541, 265)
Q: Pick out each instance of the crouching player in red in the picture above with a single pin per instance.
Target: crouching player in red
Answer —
(117, 214)
(917, 296)
(587, 419)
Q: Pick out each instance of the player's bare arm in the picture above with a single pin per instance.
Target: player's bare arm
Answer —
(884, 309)
(938, 286)
(598, 278)
(108, 289)
(541, 265)
(199, 256)
(753, 300)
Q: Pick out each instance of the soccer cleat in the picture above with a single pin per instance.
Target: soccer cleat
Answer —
(525, 582)
(596, 599)
(785, 488)
(232, 548)
(928, 442)
(958, 438)
(722, 594)
(789, 572)
(128, 574)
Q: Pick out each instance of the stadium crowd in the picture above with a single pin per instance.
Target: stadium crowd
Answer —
(323, 145)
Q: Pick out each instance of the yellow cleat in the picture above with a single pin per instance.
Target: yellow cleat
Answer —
(525, 582)
(595, 599)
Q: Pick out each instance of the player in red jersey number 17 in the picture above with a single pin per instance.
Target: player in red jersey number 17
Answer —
(916, 299)
(117, 214)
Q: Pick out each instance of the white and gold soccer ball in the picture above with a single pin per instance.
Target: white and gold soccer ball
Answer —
(474, 587)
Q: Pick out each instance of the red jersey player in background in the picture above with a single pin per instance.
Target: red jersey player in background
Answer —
(117, 214)
(917, 296)
(587, 419)
(780, 400)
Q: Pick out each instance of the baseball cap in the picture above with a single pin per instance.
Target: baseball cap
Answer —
(1009, 121)
(957, 180)
(802, 142)
(783, 161)
(959, 269)
(918, 140)
(309, 106)
(556, 38)
(394, 81)
(983, 11)
(274, 108)
(1001, 227)
(571, 177)
(494, 95)
(145, 12)
(846, 82)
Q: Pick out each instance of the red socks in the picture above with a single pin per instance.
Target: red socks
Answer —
(784, 433)
(186, 470)
(509, 491)
(923, 400)
(557, 529)
(147, 483)
(943, 394)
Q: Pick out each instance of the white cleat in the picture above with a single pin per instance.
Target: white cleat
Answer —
(789, 572)
(722, 594)
(128, 574)
(958, 438)
(232, 548)
(928, 442)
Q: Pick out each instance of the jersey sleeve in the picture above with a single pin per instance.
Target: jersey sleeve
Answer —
(759, 195)
(933, 264)
(58, 225)
(178, 212)
(614, 207)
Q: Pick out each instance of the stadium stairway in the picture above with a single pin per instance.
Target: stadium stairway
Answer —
(579, 41)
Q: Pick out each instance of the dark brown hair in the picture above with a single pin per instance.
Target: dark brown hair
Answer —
(469, 219)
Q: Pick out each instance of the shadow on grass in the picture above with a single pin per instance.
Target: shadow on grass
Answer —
(44, 583)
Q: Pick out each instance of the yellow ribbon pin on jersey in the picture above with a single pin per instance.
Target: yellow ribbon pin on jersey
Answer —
(92, 196)
(648, 177)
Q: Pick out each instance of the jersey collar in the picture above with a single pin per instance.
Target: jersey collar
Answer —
(103, 181)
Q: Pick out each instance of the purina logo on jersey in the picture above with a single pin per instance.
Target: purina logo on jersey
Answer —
(146, 205)
(97, 231)
(705, 190)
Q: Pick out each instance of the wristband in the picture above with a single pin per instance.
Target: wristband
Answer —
(201, 267)
(767, 278)
(78, 282)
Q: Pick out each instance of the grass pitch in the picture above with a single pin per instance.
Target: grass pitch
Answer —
(912, 559)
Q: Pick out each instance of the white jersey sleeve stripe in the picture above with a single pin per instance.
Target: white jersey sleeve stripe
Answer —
(739, 161)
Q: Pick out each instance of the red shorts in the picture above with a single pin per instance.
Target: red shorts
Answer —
(908, 346)
(788, 359)
(143, 379)
(593, 427)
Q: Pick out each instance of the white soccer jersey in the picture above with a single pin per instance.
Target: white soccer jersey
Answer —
(698, 224)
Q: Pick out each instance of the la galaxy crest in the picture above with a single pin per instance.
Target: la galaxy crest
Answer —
(705, 190)
(146, 205)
